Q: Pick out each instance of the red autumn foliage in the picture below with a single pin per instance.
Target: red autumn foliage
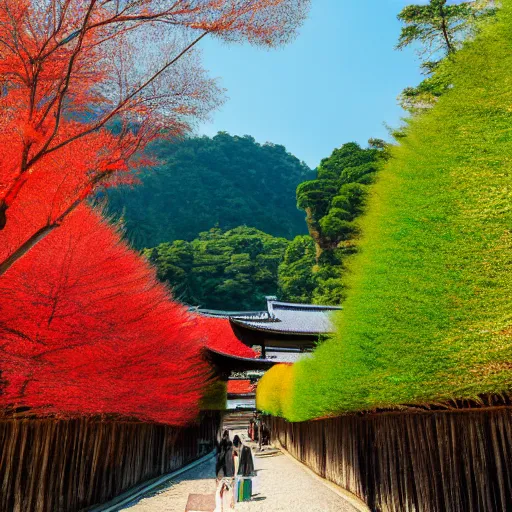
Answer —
(68, 68)
(85, 328)
(240, 387)
(221, 338)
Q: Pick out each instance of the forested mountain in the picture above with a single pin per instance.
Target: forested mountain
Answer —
(236, 269)
(233, 270)
(225, 181)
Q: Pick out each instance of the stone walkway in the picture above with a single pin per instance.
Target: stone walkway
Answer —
(173, 496)
(282, 486)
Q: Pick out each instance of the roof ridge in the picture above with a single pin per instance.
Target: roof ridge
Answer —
(294, 305)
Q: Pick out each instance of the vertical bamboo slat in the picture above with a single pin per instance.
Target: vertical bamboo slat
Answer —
(456, 461)
(49, 465)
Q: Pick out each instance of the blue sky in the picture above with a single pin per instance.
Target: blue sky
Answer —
(337, 82)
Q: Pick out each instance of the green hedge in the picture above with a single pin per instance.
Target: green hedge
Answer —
(428, 315)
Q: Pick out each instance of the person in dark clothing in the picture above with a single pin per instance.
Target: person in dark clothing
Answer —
(246, 466)
(225, 466)
(237, 449)
(265, 434)
(251, 429)
(223, 441)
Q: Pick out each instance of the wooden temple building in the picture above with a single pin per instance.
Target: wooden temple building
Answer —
(284, 332)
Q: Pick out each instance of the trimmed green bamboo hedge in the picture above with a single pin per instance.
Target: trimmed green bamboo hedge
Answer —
(273, 391)
(428, 315)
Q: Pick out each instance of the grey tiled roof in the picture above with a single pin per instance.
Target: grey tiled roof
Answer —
(288, 318)
(229, 314)
(237, 363)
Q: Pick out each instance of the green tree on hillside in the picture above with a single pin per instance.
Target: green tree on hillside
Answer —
(336, 197)
(332, 202)
(438, 30)
(225, 270)
(201, 182)
(297, 279)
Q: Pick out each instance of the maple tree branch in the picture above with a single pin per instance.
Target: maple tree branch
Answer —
(64, 85)
(130, 96)
(56, 29)
(59, 98)
(15, 332)
(117, 18)
(43, 232)
(15, 42)
(39, 235)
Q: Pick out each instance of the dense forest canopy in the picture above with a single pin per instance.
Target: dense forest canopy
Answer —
(231, 270)
(312, 267)
(202, 182)
(236, 269)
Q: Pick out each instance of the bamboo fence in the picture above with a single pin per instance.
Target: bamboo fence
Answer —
(454, 461)
(49, 465)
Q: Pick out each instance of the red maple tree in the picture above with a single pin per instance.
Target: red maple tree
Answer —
(85, 328)
(86, 84)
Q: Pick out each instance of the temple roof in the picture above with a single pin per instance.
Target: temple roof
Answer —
(235, 363)
(285, 356)
(214, 313)
(289, 318)
(219, 336)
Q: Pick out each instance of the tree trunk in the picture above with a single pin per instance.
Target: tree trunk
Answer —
(3, 214)
(26, 246)
(314, 232)
(444, 28)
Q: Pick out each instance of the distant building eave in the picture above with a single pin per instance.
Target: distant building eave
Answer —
(269, 326)
(236, 363)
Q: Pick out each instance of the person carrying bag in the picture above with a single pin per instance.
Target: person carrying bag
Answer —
(245, 473)
(225, 471)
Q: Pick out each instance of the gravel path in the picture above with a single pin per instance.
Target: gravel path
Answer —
(173, 496)
(282, 486)
(285, 487)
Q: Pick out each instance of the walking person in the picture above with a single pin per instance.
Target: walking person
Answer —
(245, 471)
(237, 451)
(225, 465)
(251, 428)
(225, 471)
